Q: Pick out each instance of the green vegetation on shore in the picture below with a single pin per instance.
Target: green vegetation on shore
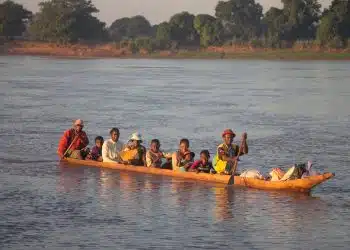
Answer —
(237, 23)
(281, 54)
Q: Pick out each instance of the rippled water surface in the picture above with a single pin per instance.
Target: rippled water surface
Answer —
(292, 111)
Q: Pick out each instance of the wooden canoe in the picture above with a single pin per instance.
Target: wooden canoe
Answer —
(300, 185)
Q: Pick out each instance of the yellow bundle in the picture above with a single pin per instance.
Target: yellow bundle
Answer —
(129, 154)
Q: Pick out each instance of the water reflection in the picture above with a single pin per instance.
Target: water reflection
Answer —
(100, 209)
(224, 200)
(69, 178)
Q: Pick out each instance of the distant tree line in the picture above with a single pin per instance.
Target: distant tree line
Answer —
(235, 22)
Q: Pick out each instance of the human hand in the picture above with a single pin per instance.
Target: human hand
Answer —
(233, 159)
(187, 165)
(244, 136)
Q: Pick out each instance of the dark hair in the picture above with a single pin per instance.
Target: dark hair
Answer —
(155, 141)
(185, 141)
(114, 130)
(99, 138)
(206, 153)
(192, 155)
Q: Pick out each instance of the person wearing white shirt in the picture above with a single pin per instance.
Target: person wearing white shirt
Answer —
(112, 147)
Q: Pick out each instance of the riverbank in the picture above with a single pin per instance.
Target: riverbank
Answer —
(229, 52)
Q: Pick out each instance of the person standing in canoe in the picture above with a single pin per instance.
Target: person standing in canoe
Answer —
(228, 153)
(73, 142)
(112, 147)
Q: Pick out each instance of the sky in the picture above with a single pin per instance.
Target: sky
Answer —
(155, 11)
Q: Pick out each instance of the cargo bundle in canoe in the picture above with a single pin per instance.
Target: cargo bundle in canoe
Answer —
(300, 185)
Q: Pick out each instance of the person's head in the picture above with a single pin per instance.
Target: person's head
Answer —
(114, 134)
(192, 155)
(205, 156)
(228, 136)
(135, 140)
(155, 145)
(78, 125)
(99, 141)
(184, 145)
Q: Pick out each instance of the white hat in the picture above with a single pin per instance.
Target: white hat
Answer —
(136, 137)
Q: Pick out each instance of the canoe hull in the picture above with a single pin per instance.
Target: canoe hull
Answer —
(224, 179)
(300, 185)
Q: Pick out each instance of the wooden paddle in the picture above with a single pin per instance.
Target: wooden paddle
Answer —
(64, 155)
(236, 162)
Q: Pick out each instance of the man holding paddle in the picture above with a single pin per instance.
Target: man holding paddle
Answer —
(227, 155)
(73, 141)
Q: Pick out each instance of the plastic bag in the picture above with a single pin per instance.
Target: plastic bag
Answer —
(252, 173)
(276, 174)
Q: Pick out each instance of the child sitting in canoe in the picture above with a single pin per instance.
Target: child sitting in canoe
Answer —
(96, 152)
(179, 155)
(203, 164)
(154, 155)
(187, 161)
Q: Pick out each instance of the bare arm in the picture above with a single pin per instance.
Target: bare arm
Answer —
(175, 162)
(148, 160)
(244, 145)
(244, 150)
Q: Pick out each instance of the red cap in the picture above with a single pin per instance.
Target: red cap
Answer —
(228, 132)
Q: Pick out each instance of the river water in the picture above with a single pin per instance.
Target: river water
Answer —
(292, 111)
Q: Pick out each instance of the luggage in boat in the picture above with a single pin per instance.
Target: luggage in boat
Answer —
(294, 172)
(276, 174)
(128, 154)
(252, 173)
(309, 171)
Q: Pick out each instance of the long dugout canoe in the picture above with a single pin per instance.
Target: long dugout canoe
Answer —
(300, 185)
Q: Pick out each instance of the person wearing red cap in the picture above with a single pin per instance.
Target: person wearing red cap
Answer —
(73, 141)
(227, 153)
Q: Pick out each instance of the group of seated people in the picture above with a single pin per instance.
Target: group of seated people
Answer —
(74, 142)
